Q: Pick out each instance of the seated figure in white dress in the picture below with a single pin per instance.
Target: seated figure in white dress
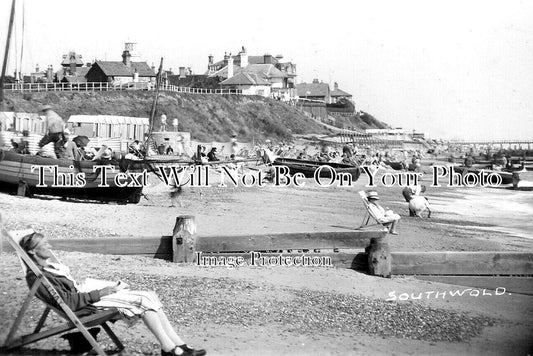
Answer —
(386, 217)
(88, 297)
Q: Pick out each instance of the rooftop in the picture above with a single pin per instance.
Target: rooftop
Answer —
(117, 68)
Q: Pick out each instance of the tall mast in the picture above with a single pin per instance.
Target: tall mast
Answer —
(4, 66)
(154, 106)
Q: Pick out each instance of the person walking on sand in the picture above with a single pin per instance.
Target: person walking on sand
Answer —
(386, 217)
(131, 304)
(163, 122)
(234, 145)
(54, 131)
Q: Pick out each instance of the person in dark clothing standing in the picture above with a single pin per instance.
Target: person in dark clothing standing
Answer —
(212, 155)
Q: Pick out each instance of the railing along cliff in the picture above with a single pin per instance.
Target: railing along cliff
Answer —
(105, 86)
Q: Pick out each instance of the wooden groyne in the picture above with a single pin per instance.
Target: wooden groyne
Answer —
(342, 249)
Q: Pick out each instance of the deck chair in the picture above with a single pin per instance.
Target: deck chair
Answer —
(100, 318)
(369, 214)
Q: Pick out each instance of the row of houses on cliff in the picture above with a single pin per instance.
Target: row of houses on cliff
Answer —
(264, 75)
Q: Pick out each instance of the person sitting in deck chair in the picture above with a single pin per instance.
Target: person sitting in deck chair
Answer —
(386, 217)
(76, 148)
(135, 149)
(131, 304)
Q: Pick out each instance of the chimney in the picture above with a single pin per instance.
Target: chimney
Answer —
(72, 64)
(244, 57)
(210, 59)
(37, 68)
(183, 73)
(126, 58)
(49, 74)
(230, 66)
(226, 58)
(267, 58)
(88, 64)
(336, 86)
(153, 68)
(135, 76)
(315, 81)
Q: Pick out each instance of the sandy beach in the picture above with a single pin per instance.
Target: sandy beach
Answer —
(296, 310)
(402, 97)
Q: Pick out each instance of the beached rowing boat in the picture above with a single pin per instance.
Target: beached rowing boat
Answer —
(507, 177)
(308, 168)
(68, 178)
(397, 166)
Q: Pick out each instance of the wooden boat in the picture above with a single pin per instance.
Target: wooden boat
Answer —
(308, 168)
(397, 166)
(515, 167)
(16, 173)
(507, 177)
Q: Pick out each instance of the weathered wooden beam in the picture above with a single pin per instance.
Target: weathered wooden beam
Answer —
(520, 285)
(463, 263)
(161, 246)
(287, 241)
(353, 259)
(155, 246)
(487, 263)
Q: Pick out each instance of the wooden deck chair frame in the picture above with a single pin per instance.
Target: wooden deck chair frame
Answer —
(369, 214)
(100, 318)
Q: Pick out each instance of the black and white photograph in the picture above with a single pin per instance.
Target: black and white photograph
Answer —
(266, 178)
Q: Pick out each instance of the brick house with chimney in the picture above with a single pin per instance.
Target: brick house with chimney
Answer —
(40, 76)
(249, 84)
(339, 94)
(72, 69)
(314, 91)
(121, 72)
(252, 72)
(321, 91)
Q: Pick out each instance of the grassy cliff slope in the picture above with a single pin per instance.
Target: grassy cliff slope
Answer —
(207, 117)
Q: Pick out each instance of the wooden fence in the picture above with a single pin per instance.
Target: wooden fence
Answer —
(315, 108)
(105, 86)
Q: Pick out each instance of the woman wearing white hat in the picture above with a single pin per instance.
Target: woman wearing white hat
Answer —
(386, 217)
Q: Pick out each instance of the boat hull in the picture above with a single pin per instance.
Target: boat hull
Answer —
(507, 177)
(16, 169)
(397, 166)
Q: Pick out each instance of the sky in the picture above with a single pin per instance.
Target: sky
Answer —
(451, 69)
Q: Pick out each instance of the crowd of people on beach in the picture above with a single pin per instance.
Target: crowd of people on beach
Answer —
(353, 154)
